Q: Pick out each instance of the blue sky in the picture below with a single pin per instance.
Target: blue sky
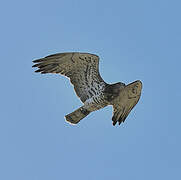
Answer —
(135, 40)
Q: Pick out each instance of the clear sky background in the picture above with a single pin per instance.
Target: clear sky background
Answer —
(135, 39)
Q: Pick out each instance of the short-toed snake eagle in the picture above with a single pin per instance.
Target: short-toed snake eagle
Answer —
(83, 71)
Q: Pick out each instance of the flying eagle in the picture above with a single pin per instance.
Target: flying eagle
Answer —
(83, 71)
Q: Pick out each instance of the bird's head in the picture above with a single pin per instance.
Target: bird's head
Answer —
(134, 89)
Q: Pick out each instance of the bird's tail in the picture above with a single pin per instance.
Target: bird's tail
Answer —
(77, 115)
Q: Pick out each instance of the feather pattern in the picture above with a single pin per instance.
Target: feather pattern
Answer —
(81, 68)
(83, 71)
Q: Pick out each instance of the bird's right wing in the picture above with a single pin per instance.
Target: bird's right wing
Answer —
(125, 102)
(81, 68)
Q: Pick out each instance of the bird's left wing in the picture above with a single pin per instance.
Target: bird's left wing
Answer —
(81, 68)
(125, 102)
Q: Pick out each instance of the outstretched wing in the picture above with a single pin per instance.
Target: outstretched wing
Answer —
(81, 68)
(125, 102)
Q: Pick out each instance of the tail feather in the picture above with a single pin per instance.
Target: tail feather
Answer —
(77, 115)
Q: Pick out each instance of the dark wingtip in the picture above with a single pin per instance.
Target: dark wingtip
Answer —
(38, 70)
(114, 123)
(124, 119)
(35, 65)
(120, 120)
(114, 120)
(37, 60)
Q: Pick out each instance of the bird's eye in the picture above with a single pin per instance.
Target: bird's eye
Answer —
(134, 89)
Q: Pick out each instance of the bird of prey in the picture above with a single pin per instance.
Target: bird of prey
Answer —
(83, 71)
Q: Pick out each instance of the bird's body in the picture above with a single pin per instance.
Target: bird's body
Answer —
(83, 71)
